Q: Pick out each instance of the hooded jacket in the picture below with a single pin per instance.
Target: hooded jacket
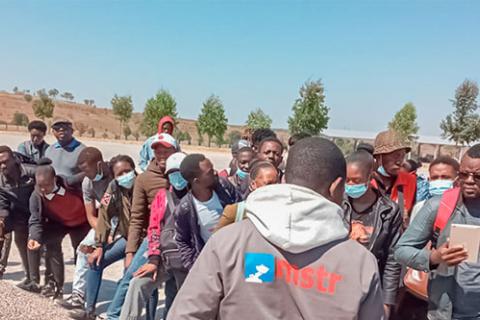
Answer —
(166, 119)
(291, 259)
(146, 152)
(144, 191)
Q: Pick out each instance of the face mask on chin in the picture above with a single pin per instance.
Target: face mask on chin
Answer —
(98, 177)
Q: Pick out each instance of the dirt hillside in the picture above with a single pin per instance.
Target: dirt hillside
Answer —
(101, 119)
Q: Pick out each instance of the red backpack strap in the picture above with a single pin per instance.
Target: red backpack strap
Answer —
(445, 211)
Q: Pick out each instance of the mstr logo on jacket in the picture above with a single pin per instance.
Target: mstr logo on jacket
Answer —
(259, 267)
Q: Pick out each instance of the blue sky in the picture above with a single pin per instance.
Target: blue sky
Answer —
(372, 56)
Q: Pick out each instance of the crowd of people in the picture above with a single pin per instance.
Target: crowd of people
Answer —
(303, 233)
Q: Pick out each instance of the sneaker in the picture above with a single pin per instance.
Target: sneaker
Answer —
(30, 286)
(75, 301)
(83, 315)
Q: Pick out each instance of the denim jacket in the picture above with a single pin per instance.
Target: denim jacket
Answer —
(411, 251)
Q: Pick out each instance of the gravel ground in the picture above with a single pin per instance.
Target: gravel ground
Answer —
(19, 304)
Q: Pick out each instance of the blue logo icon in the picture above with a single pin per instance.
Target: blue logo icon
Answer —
(259, 267)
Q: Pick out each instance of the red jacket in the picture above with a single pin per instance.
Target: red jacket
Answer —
(166, 119)
(409, 184)
(157, 212)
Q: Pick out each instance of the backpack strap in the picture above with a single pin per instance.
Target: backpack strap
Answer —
(170, 202)
(445, 211)
(240, 211)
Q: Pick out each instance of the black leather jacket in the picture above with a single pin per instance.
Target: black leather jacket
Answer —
(387, 232)
(187, 236)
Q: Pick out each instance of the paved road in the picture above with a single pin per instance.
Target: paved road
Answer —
(109, 149)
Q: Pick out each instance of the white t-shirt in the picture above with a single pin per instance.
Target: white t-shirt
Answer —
(208, 213)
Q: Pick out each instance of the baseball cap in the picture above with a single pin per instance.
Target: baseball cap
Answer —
(239, 145)
(61, 121)
(165, 140)
(174, 161)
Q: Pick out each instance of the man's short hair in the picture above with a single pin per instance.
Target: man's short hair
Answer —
(367, 147)
(89, 155)
(315, 163)
(474, 151)
(190, 166)
(258, 165)
(39, 125)
(297, 137)
(363, 159)
(270, 139)
(6, 149)
(447, 160)
(261, 134)
(122, 158)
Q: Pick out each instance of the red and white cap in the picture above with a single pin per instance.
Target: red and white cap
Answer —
(165, 140)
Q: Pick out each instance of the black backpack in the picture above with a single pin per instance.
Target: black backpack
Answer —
(169, 252)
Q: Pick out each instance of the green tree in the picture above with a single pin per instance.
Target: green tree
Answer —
(258, 120)
(127, 132)
(81, 128)
(188, 137)
(310, 114)
(136, 135)
(43, 107)
(67, 96)
(15, 89)
(28, 97)
(212, 120)
(234, 136)
(220, 140)
(20, 119)
(91, 132)
(199, 134)
(462, 125)
(405, 121)
(53, 93)
(163, 104)
(123, 108)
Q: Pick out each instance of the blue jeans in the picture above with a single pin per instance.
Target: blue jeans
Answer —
(111, 254)
(115, 308)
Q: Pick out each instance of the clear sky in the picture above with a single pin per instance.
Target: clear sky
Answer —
(372, 56)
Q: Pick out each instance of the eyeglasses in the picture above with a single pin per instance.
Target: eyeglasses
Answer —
(60, 126)
(463, 175)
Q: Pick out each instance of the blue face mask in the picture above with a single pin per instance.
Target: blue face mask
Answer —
(177, 181)
(438, 187)
(383, 172)
(126, 180)
(98, 177)
(242, 174)
(355, 191)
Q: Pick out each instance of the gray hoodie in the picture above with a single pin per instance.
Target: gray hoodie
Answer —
(291, 259)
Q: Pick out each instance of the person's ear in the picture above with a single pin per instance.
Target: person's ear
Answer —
(337, 190)
(253, 185)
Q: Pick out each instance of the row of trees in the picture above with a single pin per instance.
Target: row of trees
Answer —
(462, 126)
(309, 114)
